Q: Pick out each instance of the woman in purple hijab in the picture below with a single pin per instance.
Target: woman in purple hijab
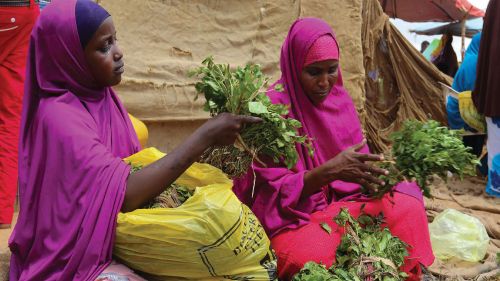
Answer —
(291, 204)
(74, 134)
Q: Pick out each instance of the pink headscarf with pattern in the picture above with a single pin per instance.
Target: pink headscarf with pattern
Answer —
(324, 48)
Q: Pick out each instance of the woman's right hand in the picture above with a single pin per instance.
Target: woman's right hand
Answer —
(224, 128)
(348, 166)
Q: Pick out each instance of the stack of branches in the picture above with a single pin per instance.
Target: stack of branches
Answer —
(242, 91)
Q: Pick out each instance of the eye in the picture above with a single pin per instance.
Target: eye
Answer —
(105, 48)
(313, 71)
(107, 45)
(333, 70)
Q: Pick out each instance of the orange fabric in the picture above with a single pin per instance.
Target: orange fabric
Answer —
(15, 29)
(405, 217)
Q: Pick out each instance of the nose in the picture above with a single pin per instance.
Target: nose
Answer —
(323, 81)
(118, 54)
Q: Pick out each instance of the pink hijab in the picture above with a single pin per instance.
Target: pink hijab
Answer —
(72, 180)
(334, 126)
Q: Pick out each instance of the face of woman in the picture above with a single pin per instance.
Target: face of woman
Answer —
(103, 55)
(317, 79)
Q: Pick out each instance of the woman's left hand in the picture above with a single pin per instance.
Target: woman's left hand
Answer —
(350, 166)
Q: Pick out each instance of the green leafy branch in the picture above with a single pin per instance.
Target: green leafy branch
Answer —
(421, 149)
(242, 91)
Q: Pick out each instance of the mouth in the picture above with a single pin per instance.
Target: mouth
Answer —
(120, 69)
(322, 94)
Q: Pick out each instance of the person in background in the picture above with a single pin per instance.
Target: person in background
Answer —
(17, 18)
(74, 134)
(464, 80)
(424, 46)
(444, 57)
(486, 94)
(291, 203)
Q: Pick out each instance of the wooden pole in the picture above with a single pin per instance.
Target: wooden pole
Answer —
(463, 38)
(464, 19)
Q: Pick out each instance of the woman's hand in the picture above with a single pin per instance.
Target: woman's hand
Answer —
(224, 128)
(348, 166)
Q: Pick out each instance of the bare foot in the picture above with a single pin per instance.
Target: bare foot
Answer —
(5, 225)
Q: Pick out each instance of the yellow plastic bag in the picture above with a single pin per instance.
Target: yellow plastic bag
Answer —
(469, 112)
(140, 129)
(454, 234)
(212, 236)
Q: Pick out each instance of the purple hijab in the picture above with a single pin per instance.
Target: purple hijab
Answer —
(72, 180)
(334, 126)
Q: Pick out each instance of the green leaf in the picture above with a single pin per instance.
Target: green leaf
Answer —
(279, 87)
(214, 85)
(212, 104)
(312, 272)
(257, 107)
(342, 260)
(326, 227)
(365, 219)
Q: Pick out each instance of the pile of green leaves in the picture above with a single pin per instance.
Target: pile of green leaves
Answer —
(421, 149)
(172, 197)
(242, 91)
(367, 252)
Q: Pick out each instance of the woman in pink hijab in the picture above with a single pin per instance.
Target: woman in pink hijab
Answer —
(74, 134)
(291, 204)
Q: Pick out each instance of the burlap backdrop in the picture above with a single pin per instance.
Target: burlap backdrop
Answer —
(400, 83)
(163, 40)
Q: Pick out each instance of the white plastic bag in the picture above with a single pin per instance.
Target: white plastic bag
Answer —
(455, 234)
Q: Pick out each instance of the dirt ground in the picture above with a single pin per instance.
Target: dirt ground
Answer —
(467, 196)
(4, 250)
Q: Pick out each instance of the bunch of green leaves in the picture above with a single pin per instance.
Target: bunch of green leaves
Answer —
(314, 272)
(242, 91)
(393, 178)
(172, 197)
(421, 149)
(366, 252)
